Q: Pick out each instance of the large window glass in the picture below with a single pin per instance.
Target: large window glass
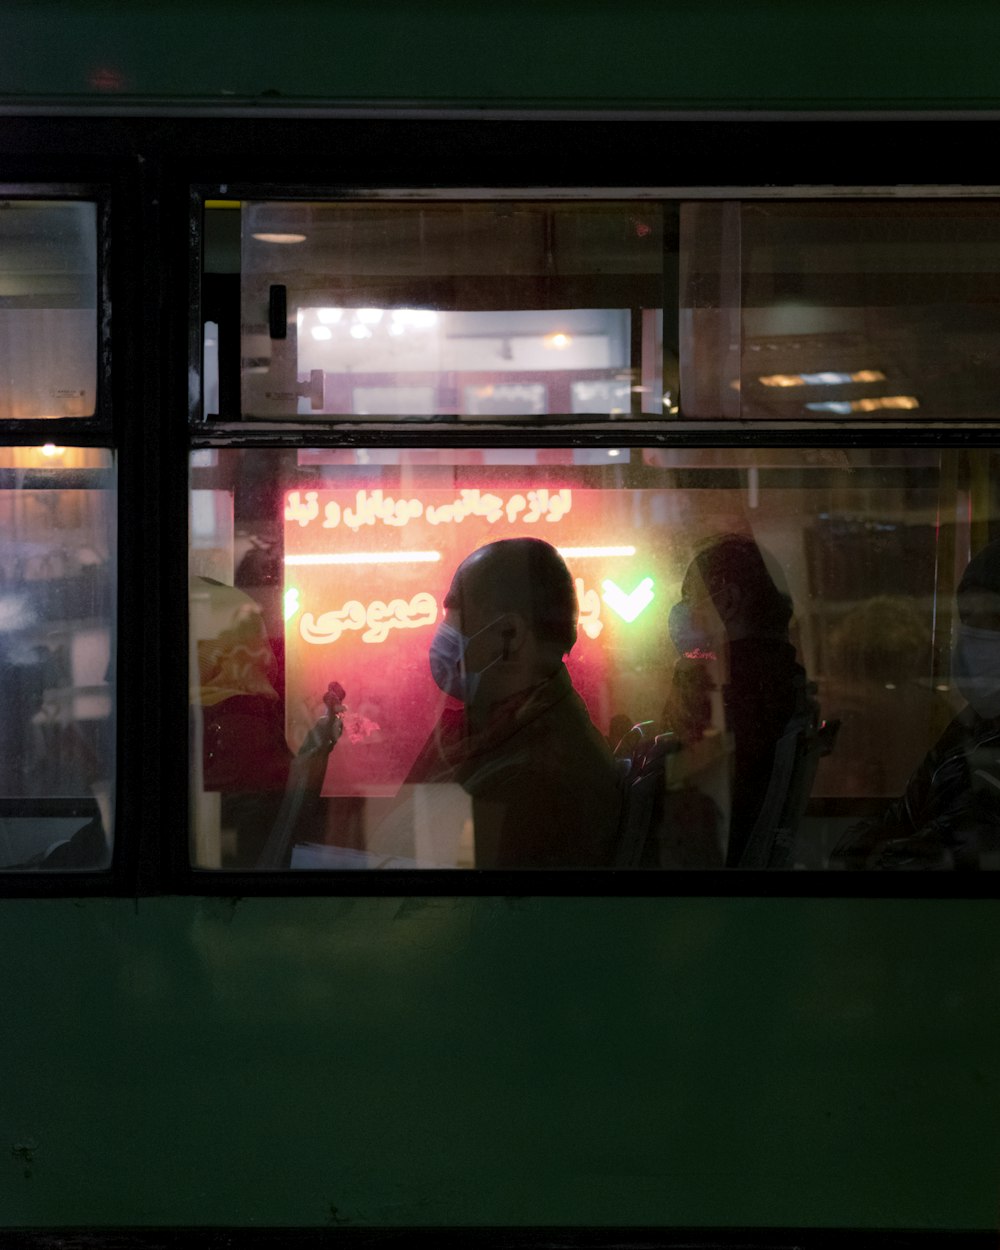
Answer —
(472, 311)
(834, 310)
(57, 647)
(655, 658)
(818, 310)
(48, 309)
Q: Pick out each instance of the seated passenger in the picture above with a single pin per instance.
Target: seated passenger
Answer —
(544, 786)
(949, 815)
(730, 629)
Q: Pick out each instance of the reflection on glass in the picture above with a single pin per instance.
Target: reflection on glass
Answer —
(57, 588)
(763, 646)
(48, 309)
(471, 310)
(819, 309)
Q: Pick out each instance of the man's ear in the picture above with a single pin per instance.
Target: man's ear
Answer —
(513, 633)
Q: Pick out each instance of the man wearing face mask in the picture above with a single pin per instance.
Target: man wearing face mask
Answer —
(545, 790)
(949, 815)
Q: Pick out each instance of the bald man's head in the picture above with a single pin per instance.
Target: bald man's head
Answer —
(525, 576)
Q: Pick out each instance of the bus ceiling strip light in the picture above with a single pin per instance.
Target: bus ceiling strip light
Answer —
(844, 407)
(826, 378)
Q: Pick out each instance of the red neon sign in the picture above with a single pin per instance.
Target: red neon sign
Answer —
(366, 572)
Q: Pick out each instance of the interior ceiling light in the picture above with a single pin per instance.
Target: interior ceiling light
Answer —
(281, 238)
(826, 378)
(558, 341)
(844, 407)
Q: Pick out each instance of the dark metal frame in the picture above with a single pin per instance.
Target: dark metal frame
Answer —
(154, 172)
(512, 1238)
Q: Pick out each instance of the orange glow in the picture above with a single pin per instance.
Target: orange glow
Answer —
(366, 573)
(557, 341)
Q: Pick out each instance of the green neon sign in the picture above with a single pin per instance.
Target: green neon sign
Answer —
(628, 605)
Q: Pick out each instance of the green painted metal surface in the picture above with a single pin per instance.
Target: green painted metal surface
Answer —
(491, 1061)
(674, 53)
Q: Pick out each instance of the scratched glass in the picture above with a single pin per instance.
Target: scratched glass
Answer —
(48, 309)
(57, 647)
(714, 659)
(475, 311)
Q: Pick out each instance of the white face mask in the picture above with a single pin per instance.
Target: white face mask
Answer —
(976, 666)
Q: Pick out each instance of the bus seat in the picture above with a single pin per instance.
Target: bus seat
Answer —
(796, 757)
(644, 781)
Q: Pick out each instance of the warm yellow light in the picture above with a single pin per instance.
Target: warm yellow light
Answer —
(559, 341)
(782, 379)
(281, 238)
(50, 450)
(827, 377)
(885, 401)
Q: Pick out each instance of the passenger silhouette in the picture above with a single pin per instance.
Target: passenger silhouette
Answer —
(731, 630)
(949, 814)
(544, 786)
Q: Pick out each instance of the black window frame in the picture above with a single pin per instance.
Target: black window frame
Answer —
(100, 431)
(345, 431)
(147, 166)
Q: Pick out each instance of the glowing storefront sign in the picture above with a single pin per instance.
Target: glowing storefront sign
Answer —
(366, 575)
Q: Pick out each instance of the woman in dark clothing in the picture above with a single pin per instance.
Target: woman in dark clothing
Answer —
(731, 632)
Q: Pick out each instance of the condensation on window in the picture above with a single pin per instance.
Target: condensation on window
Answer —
(585, 658)
(57, 657)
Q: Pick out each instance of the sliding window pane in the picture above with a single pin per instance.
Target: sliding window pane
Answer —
(840, 310)
(471, 311)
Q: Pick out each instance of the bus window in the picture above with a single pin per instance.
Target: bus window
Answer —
(471, 310)
(48, 309)
(830, 310)
(383, 675)
(57, 645)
